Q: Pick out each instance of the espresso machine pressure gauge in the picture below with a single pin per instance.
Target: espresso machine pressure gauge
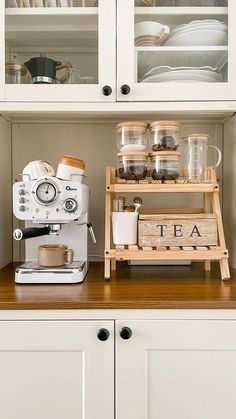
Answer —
(46, 192)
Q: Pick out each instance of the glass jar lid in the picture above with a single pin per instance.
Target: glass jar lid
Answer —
(131, 124)
(132, 153)
(173, 125)
(166, 155)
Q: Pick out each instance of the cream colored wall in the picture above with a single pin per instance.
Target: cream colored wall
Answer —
(229, 182)
(95, 143)
(5, 188)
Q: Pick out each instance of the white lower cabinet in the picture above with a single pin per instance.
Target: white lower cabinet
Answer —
(146, 369)
(176, 370)
(56, 370)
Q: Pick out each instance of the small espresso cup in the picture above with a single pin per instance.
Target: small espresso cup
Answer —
(51, 255)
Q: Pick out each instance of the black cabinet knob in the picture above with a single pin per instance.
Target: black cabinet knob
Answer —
(103, 334)
(107, 90)
(125, 333)
(125, 89)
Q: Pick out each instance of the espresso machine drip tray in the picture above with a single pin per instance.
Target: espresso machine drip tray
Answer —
(32, 273)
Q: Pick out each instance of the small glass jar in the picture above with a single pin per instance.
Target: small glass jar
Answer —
(165, 135)
(132, 165)
(165, 165)
(131, 136)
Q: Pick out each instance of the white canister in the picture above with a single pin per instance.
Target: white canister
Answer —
(124, 227)
(71, 168)
(37, 169)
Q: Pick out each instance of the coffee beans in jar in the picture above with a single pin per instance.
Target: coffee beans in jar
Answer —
(132, 165)
(165, 165)
(131, 136)
(165, 135)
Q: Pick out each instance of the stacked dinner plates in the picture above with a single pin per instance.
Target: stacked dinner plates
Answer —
(183, 75)
(199, 33)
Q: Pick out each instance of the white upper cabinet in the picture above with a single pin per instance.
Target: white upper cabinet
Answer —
(80, 35)
(124, 50)
(176, 50)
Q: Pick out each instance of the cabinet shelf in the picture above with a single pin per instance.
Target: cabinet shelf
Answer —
(52, 11)
(55, 27)
(181, 11)
(189, 56)
(179, 15)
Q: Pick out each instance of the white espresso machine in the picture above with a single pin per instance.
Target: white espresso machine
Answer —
(55, 211)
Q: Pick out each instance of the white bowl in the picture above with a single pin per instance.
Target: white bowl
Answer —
(198, 38)
(150, 28)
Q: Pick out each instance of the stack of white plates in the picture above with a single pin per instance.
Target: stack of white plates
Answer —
(199, 33)
(140, 3)
(183, 75)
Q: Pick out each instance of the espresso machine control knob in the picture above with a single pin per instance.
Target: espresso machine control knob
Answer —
(22, 192)
(70, 205)
(22, 208)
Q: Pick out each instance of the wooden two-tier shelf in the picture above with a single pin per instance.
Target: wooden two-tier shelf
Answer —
(209, 188)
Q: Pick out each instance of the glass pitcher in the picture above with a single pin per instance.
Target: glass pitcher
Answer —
(196, 156)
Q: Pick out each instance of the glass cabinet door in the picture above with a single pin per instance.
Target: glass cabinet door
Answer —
(56, 50)
(176, 50)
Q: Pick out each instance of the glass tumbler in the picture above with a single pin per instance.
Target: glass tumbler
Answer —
(196, 156)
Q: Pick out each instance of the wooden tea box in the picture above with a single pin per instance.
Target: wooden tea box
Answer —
(177, 230)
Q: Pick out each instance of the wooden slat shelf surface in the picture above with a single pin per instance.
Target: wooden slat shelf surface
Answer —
(168, 255)
(166, 188)
(136, 287)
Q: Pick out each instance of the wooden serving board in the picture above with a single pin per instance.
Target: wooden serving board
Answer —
(177, 230)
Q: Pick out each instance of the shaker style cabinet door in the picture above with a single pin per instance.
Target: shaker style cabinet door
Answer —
(181, 50)
(176, 370)
(64, 51)
(56, 370)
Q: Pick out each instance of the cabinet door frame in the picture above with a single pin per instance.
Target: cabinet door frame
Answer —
(143, 92)
(78, 337)
(132, 381)
(2, 51)
(74, 92)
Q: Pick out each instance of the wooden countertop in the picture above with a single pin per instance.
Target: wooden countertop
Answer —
(129, 288)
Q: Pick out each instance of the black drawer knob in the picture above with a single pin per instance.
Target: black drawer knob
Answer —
(107, 90)
(103, 335)
(125, 89)
(125, 333)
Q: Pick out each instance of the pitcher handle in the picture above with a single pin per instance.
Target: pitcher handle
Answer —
(66, 65)
(69, 256)
(219, 155)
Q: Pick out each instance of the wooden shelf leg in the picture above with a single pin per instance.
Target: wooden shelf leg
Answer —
(207, 265)
(207, 210)
(224, 269)
(113, 264)
(107, 271)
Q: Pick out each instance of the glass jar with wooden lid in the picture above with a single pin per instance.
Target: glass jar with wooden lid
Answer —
(165, 165)
(71, 168)
(131, 136)
(165, 135)
(132, 165)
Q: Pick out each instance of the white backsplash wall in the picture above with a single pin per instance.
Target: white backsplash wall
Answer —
(96, 144)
